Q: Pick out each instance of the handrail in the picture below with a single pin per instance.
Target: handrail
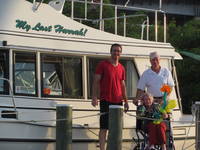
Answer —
(122, 17)
(119, 6)
(177, 85)
(11, 92)
(116, 6)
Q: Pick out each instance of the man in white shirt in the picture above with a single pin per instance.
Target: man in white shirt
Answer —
(153, 79)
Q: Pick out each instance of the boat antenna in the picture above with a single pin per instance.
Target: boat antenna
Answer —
(57, 5)
(126, 3)
(35, 5)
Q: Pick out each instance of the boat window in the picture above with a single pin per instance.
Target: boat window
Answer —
(131, 75)
(4, 67)
(61, 76)
(92, 62)
(24, 73)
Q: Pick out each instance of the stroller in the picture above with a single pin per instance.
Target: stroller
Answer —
(141, 139)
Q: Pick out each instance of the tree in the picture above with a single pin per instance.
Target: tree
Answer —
(187, 38)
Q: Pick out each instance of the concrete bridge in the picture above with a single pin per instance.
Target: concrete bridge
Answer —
(176, 7)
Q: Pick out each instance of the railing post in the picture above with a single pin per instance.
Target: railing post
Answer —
(64, 127)
(197, 116)
(101, 14)
(165, 28)
(116, 20)
(115, 127)
(72, 9)
(156, 26)
(147, 28)
(124, 25)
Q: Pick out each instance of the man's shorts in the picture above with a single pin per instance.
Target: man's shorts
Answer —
(104, 108)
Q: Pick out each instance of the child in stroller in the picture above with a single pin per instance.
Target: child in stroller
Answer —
(153, 134)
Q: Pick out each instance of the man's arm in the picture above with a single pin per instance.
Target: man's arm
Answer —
(139, 94)
(95, 89)
(140, 87)
(123, 86)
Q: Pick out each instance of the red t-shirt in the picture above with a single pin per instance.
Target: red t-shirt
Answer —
(110, 83)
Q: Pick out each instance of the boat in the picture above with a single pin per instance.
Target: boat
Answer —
(47, 59)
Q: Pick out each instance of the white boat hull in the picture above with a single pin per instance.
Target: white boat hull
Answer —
(28, 136)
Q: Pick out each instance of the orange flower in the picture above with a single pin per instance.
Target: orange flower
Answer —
(166, 88)
(46, 91)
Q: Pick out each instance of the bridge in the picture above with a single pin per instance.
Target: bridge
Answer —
(176, 7)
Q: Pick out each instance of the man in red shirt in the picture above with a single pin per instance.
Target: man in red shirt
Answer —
(109, 81)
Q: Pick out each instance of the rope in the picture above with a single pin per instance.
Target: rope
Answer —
(99, 114)
(26, 112)
(92, 132)
(178, 121)
(49, 120)
(47, 111)
(140, 117)
(189, 146)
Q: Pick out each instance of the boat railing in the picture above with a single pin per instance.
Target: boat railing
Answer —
(122, 7)
(11, 93)
(59, 5)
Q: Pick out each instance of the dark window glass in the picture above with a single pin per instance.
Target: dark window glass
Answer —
(92, 62)
(4, 74)
(52, 76)
(61, 76)
(73, 77)
(25, 73)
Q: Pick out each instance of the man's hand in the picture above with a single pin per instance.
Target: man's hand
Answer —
(138, 97)
(94, 101)
(135, 101)
(126, 106)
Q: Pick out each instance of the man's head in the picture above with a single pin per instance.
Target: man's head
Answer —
(115, 51)
(154, 59)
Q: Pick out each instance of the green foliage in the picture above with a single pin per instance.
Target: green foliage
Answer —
(187, 38)
(190, 32)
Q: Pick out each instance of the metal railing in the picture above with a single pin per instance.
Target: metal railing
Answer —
(116, 8)
(123, 7)
(11, 93)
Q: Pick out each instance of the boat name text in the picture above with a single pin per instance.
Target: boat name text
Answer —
(56, 28)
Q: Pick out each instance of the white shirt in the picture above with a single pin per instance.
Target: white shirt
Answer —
(154, 81)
